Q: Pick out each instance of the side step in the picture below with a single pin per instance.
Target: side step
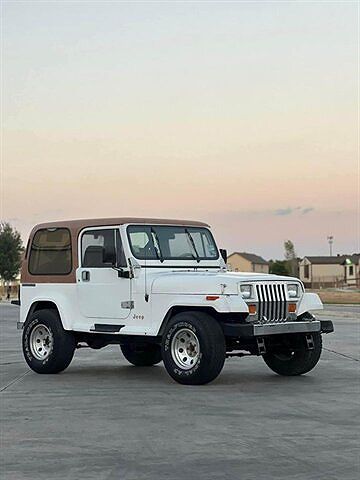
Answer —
(106, 328)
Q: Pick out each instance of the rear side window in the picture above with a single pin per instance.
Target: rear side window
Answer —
(50, 252)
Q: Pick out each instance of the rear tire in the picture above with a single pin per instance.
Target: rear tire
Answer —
(193, 348)
(47, 347)
(297, 360)
(143, 355)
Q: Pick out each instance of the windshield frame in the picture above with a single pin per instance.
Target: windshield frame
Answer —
(184, 228)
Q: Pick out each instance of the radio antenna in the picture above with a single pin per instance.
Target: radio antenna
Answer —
(145, 277)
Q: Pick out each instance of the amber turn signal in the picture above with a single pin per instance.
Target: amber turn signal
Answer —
(212, 297)
(252, 309)
(292, 307)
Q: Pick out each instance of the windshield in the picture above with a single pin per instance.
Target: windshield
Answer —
(171, 243)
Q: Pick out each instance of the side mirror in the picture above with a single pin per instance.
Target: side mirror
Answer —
(223, 253)
(123, 273)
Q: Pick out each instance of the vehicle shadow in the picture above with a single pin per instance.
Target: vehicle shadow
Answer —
(156, 375)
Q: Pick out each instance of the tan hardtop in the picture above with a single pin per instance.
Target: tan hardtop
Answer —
(75, 227)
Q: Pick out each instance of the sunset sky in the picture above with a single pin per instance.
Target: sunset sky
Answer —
(244, 115)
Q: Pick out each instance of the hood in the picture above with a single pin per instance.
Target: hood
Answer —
(207, 283)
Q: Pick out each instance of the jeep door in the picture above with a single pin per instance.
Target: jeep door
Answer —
(102, 293)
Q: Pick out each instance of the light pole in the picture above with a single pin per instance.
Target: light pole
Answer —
(330, 239)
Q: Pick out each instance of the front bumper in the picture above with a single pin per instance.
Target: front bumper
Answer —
(263, 330)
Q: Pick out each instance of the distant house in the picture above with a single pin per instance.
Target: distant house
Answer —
(328, 271)
(247, 262)
(352, 269)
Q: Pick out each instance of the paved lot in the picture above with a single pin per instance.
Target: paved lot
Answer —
(103, 419)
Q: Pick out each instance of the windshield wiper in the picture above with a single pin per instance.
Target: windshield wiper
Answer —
(158, 249)
(196, 256)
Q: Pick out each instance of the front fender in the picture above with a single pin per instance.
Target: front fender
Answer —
(309, 301)
(163, 303)
(231, 304)
(223, 304)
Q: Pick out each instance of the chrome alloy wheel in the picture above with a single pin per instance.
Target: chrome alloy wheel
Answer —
(185, 349)
(41, 342)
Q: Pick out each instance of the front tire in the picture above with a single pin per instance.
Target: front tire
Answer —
(47, 347)
(142, 355)
(295, 358)
(193, 348)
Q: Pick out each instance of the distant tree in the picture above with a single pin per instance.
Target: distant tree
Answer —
(289, 250)
(10, 252)
(279, 267)
(291, 258)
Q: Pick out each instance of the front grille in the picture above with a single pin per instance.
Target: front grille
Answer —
(272, 305)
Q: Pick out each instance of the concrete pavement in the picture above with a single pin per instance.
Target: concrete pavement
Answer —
(104, 419)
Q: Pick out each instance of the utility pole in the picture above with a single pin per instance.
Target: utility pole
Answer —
(330, 239)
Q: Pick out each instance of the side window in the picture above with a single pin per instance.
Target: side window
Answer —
(102, 248)
(50, 252)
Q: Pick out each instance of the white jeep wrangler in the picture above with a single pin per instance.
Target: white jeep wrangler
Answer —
(161, 290)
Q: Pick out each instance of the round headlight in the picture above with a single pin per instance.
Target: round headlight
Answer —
(246, 291)
(293, 290)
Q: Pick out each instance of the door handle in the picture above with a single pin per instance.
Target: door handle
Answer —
(85, 276)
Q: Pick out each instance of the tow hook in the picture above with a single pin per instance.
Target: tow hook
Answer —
(261, 345)
(309, 341)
